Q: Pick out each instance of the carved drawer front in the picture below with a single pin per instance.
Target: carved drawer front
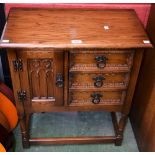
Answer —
(98, 81)
(96, 98)
(117, 61)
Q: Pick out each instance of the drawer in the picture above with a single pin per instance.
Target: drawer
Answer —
(98, 80)
(82, 98)
(101, 60)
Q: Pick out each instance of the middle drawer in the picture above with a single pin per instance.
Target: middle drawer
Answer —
(98, 81)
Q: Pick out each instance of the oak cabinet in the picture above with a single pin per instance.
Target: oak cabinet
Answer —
(74, 60)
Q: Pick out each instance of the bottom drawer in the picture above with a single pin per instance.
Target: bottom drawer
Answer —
(96, 98)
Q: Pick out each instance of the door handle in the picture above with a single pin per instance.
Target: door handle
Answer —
(59, 80)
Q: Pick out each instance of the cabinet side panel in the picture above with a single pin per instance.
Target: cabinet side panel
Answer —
(133, 79)
(15, 81)
(143, 110)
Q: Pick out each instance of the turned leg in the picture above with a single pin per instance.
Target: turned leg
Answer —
(119, 127)
(27, 121)
(24, 132)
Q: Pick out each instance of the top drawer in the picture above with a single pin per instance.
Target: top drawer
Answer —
(106, 61)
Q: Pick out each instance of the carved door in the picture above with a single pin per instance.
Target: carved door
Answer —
(42, 79)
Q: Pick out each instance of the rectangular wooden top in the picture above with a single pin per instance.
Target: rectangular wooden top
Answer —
(73, 28)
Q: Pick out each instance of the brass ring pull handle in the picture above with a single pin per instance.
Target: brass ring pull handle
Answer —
(98, 81)
(101, 61)
(96, 98)
(59, 80)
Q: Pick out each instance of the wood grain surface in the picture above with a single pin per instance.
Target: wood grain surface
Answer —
(56, 28)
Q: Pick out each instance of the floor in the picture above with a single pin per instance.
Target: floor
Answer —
(72, 124)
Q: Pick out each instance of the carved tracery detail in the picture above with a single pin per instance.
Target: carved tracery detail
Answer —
(41, 77)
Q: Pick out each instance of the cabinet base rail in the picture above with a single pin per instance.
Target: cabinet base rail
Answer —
(118, 126)
(73, 140)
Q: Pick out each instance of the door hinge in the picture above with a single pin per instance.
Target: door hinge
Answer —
(18, 65)
(21, 95)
